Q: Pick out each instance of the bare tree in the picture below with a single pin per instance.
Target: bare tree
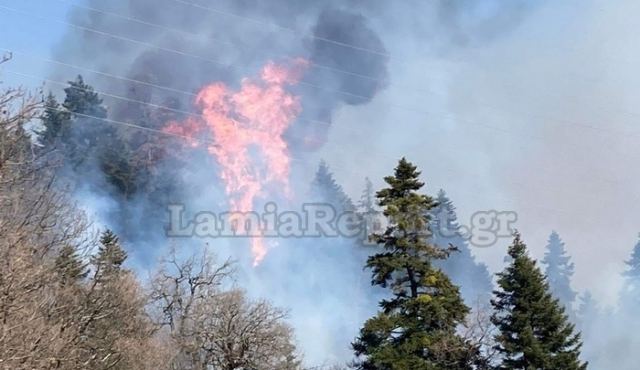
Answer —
(236, 333)
(176, 289)
(48, 320)
(217, 329)
(479, 331)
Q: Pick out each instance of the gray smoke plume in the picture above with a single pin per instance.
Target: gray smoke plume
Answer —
(163, 51)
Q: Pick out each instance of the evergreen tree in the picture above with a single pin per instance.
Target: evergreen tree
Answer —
(473, 277)
(55, 122)
(631, 289)
(88, 135)
(325, 189)
(116, 163)
(367, 203)
(82, 100)
(588, 309)
(559, 270)
(69, 266)
(367, 210)
(110, 257)
(416, 328)
(534, 331)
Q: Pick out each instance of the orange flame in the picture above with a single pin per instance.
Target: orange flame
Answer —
(254, 118)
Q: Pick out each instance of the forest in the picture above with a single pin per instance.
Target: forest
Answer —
(69, 301)
(321, 185)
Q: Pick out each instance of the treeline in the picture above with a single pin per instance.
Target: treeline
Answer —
(67, 300)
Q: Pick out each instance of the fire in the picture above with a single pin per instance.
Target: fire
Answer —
(247, 129)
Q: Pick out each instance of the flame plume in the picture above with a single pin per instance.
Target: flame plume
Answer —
(247, 129)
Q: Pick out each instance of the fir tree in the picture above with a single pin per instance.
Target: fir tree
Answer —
(69, 266)
(473, 277)
(587, 309)
(367, 210)
(88, 135)
(559, 271)
(110, 257)
(631, 289)
(117, 165)
(82, 100)
(55, 122)
(367, 203)
(534, 331)
(416, 327)
(325, 189)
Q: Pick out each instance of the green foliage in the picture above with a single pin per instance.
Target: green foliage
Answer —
(81, 99)
(416, 328)
(534, 331)
(55, 122)
(78, 130)
(90, 134)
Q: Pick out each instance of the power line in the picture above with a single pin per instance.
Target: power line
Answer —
(193, 94)
(175, 90)
(566, 122)
(126, 124)
(187, 54)
(200, 116)
(209, 142)
(333, 69)
(130, 125)
(206, 59)
(169, 50)
(103, 93)
(283, 28)
(171, 29)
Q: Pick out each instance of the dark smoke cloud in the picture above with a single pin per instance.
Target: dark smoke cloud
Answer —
(166, 50)
(348, 43)
(348, 66)
(196, 46)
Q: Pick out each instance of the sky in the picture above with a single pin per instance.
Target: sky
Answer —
(541, 122)
(22, 32)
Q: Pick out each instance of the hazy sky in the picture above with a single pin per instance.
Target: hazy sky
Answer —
(542, 121)
(27, 33)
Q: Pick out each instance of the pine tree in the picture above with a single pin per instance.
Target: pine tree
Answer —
(367, 203)
(110, 257)
(588, 309)
(367, 210)
(559, 270)
(416, 328)
(55, 122)
(473, 277)
(325, 189)
(81, 100)
(534, 331)
(630, 295)
(88, 135)
(69, 266)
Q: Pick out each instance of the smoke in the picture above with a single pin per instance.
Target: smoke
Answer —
(375, 71)
(537, 119)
